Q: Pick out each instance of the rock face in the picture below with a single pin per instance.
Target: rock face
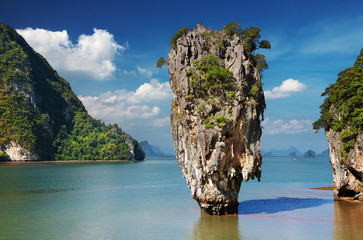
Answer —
(341, 118)
(18, 153)
(348, 173)
(215, 116)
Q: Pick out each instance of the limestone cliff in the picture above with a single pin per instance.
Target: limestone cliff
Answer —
(42, 119)
(348, 172)
(16, 152)
(342, 119)
(216, 113)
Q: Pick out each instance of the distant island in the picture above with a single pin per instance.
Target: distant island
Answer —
(153, 151)
(309, 154)
(42, 119)
(294, 152)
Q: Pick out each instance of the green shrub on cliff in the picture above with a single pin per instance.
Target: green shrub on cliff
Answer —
(209, 77)
(251, 36)
(232, 28)
(211, 81)
(251, 42)
(260, 62)
(161, 61)
(212, 120)
(342, 109)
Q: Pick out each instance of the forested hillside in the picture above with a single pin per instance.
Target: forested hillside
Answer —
(40, 113)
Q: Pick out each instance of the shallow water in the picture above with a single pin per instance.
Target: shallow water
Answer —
(150, 200)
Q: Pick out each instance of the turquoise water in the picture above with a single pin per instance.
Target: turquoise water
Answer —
(150, 200)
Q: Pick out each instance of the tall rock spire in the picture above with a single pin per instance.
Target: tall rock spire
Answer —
(216, 113)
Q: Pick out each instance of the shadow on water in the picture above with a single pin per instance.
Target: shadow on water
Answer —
(216, 227)
(279, 205)
(348, 220)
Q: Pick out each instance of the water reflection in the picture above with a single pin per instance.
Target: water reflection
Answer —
(216, 227)
(348, 220)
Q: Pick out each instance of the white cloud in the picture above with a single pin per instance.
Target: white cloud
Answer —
(92, 57)
(151, 91)
(144, 71)
(132, 73)
(161, 122)
(123, 105)
(287, 87)
(286, 127)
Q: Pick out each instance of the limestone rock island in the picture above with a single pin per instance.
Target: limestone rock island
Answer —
(216, 112)
(342, 119)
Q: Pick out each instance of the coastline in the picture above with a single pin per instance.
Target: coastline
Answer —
(68, 161)
(329, 188)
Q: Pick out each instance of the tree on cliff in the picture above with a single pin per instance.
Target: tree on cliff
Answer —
(251, 42)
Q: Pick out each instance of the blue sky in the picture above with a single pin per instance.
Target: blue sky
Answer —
(107, 50)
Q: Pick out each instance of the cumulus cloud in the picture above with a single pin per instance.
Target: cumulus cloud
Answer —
(91, 57)
(161, 122)
(287, 87)
(144, 71)
(286, 127)
(130, 105)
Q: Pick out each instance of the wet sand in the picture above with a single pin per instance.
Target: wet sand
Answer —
(323, 188)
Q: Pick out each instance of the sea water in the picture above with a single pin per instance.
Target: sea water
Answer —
(151, 200)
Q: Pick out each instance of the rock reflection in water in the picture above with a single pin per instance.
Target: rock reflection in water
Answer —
(348, 220)
(216, 227)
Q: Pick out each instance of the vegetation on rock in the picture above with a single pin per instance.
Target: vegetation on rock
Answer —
(251, 42)
(4, 157)
(39, 110)
(210, 83)
(208, 79)
(161, 61)
(342, 109)
(178, 35)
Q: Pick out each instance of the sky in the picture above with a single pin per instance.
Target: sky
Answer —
(107, 51)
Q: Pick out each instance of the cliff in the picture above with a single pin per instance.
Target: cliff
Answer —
(216, 112)
(342, 119)
(40, 116)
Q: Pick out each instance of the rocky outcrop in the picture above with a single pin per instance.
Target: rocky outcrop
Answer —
(341, 118)
(215, 116)
(16, 152)
(348, 172)
(135, 149)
